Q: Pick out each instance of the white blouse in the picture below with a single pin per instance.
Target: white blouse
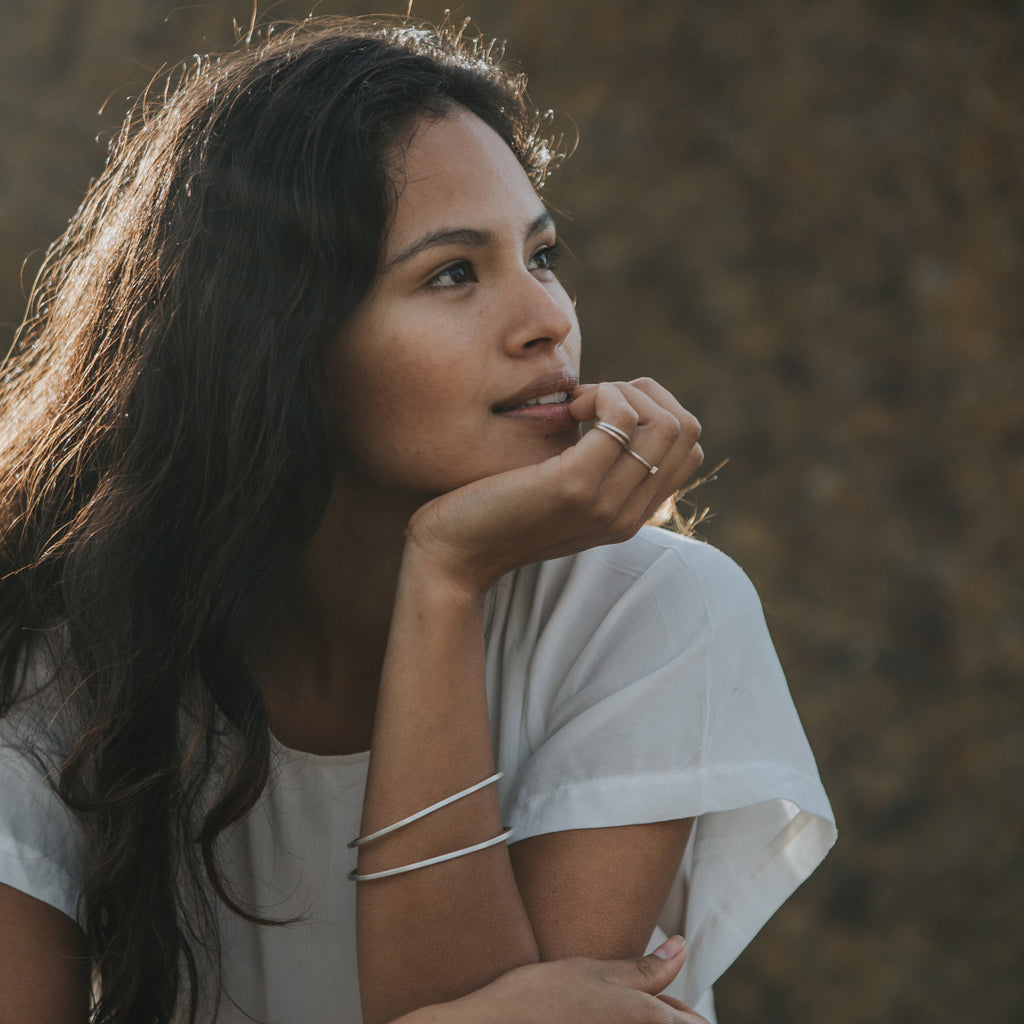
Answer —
(631, 683)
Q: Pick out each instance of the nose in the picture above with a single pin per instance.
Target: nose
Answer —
(538, 315)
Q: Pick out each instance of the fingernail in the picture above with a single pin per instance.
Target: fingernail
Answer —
(670, 948)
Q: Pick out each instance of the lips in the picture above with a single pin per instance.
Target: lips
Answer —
(553, 399)
(551, 389)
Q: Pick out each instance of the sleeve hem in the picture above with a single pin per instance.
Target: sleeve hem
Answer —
(39, 878)
(768, 881)
(752, 848)
(641, 799)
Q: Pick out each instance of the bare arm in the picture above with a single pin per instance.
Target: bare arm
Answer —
(44, 972)
(574, 991)
(44, 978)
(452, 928)
(598, 892)
(433, 935)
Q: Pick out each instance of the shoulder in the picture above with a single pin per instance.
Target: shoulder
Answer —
(643, 670)
(657, 573)
(38, 834)
(37, 727)
(39, 837)
(656, 552)
(668, 610)
(33, 745)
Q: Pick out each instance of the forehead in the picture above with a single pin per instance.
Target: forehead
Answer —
(456, 171)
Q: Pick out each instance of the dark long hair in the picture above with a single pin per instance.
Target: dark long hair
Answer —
(165, 453)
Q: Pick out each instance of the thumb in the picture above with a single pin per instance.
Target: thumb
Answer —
(651, 973)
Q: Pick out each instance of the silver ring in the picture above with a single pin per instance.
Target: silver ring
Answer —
(651, 470)
(613, 431)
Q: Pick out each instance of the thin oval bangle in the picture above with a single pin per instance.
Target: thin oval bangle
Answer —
(388, 829)
(356, 877)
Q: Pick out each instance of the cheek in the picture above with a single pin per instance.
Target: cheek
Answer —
(385, 394)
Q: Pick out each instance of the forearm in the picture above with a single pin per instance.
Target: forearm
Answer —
(576, 991)
(436, 933)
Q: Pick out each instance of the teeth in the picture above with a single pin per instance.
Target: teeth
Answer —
(552, 399)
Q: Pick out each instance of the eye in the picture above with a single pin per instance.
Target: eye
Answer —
(546, 258)
(454, 275)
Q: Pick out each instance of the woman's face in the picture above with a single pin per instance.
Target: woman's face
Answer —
(435, 379)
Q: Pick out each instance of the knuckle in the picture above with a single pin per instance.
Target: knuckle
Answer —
(663, 1014)
(643, 966)
(631, 419)
(627, 534)
(576, 492)
(667, 427)
(644, 384)
(659, 1013)
(604, 511)
(629, 527)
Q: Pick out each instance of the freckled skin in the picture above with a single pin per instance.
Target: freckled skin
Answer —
(451, 331)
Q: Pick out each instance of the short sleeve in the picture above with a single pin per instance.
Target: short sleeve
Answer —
(38, 850)
(639, 684)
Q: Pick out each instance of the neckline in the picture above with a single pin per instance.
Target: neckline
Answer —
(277, 747)
(363, 756)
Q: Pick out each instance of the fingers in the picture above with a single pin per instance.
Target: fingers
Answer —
(609, 404)
(661, 435)
(686, 455)
(687, 1014)
(582, 990)
(651, 973)
(592, 493)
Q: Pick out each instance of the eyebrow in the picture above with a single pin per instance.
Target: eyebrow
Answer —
(474, 238)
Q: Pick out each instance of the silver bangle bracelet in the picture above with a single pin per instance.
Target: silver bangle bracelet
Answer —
(356, 877)
(387, 830)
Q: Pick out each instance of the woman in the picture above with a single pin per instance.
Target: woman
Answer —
(292, 471)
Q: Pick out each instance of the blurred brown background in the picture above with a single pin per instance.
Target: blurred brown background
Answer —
(807, 218)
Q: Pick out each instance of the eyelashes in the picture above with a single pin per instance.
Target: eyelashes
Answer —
(550, 254)
(457, 274)
(462, 272)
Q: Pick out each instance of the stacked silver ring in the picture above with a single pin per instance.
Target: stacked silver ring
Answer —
(623, 438)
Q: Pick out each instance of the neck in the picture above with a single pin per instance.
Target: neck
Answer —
(324, 663)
